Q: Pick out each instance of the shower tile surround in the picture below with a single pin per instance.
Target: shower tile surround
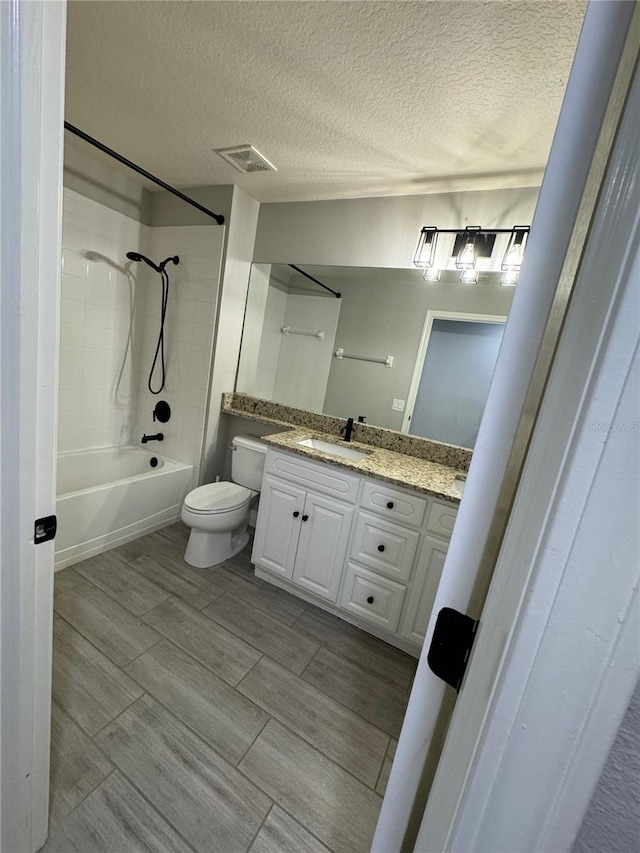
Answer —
(103, 396)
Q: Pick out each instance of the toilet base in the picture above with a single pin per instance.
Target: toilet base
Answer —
(207, 550)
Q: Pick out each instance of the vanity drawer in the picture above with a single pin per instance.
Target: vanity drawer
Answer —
(313, 475)
(392, 504)
(372, 597)
(441, 519)
(383, 546)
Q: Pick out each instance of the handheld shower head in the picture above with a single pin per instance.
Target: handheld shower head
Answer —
(136, 256)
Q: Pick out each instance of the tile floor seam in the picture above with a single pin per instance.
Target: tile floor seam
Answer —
(269, 718)
(240, 637)
(359, 666)
(175, 643)
(113, 770)
(346, 707)
(208, 745)
(88, 640)
(306, 829)
(331, 696)
(170, 594)
(118, 715)
(257, 606)
(163, 817)
(317, 749)
(110, 595)
(264, 820)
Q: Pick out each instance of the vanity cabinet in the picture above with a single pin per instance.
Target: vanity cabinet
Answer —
(301, 535)
(363, 549)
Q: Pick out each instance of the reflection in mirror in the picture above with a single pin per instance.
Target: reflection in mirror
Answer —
(420, 347)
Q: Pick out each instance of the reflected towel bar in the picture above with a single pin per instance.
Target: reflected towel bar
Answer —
(386, 360)
(287, 330)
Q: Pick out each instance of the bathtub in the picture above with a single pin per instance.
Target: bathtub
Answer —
(111, 495)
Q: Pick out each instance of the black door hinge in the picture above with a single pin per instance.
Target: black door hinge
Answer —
(451, 645)
(45, 529)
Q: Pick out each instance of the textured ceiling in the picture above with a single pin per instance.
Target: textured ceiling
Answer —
(347, 99)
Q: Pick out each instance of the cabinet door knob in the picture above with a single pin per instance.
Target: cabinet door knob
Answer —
(381, 548)
(389, 504)
(296, 514)
(305, 517)
(370, 600)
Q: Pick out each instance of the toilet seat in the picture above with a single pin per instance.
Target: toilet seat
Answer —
(214, 498)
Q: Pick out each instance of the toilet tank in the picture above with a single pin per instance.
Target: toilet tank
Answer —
(247, 461)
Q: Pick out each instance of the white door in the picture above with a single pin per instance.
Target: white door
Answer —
(322, 548)
(32, 41)
(278, 526)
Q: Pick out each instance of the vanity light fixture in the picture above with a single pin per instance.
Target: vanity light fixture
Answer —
(469, 245)
(424, 257)
(468, 254)
(469, 276)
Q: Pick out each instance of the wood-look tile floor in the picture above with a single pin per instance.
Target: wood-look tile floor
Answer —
(206, 710)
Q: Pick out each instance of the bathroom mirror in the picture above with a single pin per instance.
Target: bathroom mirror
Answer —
(391, 344)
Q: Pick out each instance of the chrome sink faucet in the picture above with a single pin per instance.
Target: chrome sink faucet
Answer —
(347, 429)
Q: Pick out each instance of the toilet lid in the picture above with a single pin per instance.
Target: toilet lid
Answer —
(217, 497)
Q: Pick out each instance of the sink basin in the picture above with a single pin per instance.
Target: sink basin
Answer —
(458, 485)
(334, 449)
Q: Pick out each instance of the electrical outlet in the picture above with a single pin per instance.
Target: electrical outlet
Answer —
(398, 405)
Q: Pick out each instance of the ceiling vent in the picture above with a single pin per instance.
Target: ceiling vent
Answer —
(245, 158)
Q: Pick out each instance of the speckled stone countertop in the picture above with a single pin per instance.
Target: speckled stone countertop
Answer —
(267, 412)
(430, 478)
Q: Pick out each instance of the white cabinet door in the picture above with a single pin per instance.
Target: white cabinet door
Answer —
(423, 590)
(278, 526)
(324, 535)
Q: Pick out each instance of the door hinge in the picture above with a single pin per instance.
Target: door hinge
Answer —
(451, 645)
(45, 529)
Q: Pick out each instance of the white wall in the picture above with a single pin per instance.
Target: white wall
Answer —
(386, 317)
(378, 232)
(188, 336)
(241, 231)
(94, 409)
(270, 341)
(304, 362)
(612, 821)
(103, 398)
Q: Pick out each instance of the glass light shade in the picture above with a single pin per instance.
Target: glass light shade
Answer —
(426, 248)
(469, 276)
(431, 274)
(509, 278)
(512, 260)
(467, 255)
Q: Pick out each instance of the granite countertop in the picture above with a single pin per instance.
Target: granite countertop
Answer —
(430, 478)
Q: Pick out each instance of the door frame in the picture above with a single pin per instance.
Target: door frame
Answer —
(555, 660)
(32, 60)
(594, 100)
(456, 316)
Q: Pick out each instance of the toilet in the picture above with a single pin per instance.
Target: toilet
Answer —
(217, 513)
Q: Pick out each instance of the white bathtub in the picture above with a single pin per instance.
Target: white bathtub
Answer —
(111, 495)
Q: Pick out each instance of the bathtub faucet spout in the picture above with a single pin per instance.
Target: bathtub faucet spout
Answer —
(157, 437)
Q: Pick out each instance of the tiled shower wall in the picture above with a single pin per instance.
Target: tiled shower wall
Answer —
(103, 399)
(188, 336)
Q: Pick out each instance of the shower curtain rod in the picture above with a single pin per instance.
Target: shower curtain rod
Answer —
(315, 280)
(104, 148)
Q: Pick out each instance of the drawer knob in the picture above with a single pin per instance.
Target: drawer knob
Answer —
(370, 600)
(389, 504)
(305, 517)
(381, 548)
(296, 514)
